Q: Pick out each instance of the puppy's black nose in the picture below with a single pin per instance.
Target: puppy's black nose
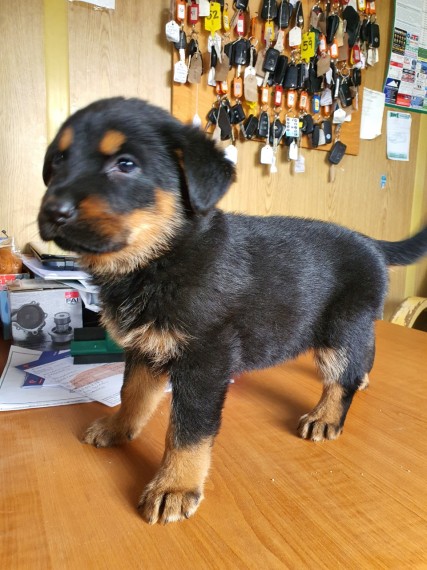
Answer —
(59, 211)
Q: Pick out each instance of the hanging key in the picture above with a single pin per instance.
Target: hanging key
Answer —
(212, 117)
(270, 62)
(374, 35)
(224, 123)
(335, 156)
(291, 77)
(327, 130)
(284, 14)
(307, 124)
(315, 136)
(241, 5)
(263, 125)
(271, 58)
(269, 10)
(182, 42)
(332, 24)
(277, 130)
(240, 52)
(344, 94)
(280, 69)
(237, 114)
(250, 127)
(276, 133)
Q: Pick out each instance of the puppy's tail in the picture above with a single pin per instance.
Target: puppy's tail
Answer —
(407, 251)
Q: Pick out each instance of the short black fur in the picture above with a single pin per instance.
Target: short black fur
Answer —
(245, 292)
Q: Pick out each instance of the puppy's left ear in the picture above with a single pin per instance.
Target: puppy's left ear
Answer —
(209, 174)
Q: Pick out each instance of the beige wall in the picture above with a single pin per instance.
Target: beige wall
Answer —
(123, 52)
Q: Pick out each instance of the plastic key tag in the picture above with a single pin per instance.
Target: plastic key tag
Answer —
(293, 151)
(250, 88)
(292, 127)
(269, 31)
(266, 154)
(225, 19)
(299, 166)
(213, 21)
(230, 153)
(295, 37)
(172, 31)
(204, 8)
(308, 45)
(180, 72)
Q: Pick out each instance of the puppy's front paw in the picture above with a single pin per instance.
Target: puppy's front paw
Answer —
(106, 432)
(317, 429)
(164, 505)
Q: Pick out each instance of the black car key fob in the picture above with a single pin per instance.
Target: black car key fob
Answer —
(271, 59)
(291, 77)
(327, 131)
(250, 127)
(337, 152)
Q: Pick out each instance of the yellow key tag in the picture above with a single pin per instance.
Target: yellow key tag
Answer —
(213, 21)
(225, 20)
(269, 31)
(308, 45)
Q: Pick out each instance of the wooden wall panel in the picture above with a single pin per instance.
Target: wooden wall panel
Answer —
(355, 199)
(120, 52)
(22, 116)
(124, 53)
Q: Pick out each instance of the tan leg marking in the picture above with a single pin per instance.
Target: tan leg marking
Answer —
(141, 394)
(331, 363)
(177, 490)
(324, 422)
(365, 383)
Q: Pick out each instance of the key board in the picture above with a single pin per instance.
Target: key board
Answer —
(291, 59)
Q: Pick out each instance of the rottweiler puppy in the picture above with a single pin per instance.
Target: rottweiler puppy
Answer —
(194, 294)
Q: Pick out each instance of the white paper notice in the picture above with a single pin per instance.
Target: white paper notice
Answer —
(110, 4)
(398, 135)
(100, 382)
(372, 114)
(14, 397)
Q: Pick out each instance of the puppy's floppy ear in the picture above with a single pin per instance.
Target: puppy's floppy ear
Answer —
(208, 173)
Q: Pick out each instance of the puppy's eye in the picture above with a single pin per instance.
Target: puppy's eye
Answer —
(58, 157)
(126, 165)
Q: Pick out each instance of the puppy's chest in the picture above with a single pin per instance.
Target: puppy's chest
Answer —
(144, 324)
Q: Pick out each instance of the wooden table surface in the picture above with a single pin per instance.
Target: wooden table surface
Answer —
(272, 499)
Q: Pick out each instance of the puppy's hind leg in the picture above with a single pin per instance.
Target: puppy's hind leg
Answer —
(141, 392)
(344, 371)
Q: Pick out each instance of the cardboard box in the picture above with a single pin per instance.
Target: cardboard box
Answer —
(44, 314)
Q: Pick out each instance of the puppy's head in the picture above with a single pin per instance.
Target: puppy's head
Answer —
(121, 175)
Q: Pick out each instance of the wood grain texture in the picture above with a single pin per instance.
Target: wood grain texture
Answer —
(272, 500)
(120, 52)
(187, 98)
(125, 53)
(22, 116)
(355, 199)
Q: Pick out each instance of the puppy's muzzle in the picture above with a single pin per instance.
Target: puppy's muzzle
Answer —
(58, 211)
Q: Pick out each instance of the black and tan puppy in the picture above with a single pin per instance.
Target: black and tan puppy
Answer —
(194, 294)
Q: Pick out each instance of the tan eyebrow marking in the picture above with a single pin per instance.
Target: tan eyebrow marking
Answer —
(111, 142)
(66, 139)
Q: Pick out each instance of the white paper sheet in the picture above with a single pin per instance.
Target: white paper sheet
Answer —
(110, 4)
(100, 382)
(372, 114)
(14, 397)
(398, 135)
